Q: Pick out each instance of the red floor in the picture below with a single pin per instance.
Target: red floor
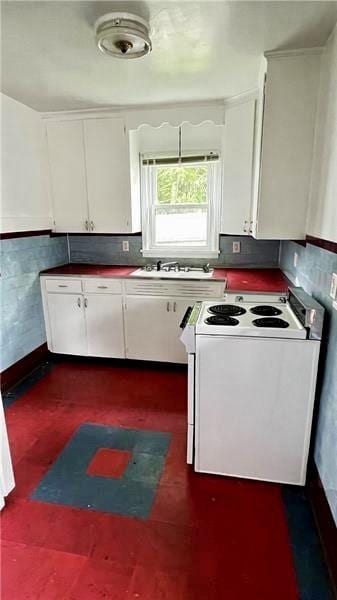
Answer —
(207, 537)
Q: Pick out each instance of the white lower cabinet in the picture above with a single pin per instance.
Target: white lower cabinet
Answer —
(104, 320)
(152, 328)
(66, 324)
(112, 318)
(86, 324)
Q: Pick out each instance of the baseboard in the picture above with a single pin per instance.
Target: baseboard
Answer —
(120, 362)
(325, 523)
(23, 367)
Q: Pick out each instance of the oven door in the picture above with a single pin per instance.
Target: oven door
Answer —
(190, 408)
(188, 338)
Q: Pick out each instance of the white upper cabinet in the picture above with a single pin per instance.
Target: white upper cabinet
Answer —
(238, 154)
(287, 144)
(67, 176)
(267, 151)
(90, 176)
(108, 175)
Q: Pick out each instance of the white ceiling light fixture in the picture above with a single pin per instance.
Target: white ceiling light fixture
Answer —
(123, 35)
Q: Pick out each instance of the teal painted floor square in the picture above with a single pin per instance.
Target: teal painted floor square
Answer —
(67, 482)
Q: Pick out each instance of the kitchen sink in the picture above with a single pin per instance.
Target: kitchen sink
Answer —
(172, 274)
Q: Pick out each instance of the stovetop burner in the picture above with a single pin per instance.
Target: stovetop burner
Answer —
(221, 320)
(271, 322)
(266, 311)
(228, 310)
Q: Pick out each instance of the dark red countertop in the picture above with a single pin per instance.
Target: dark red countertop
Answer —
(256, 280)
(92, 270)
(249, 280)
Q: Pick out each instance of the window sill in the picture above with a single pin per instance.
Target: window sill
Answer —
(174, 253)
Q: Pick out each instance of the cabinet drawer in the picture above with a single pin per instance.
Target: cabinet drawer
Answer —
(102, 286)
(65, 285)
(187, 288)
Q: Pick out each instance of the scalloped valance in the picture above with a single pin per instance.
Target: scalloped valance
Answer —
(212, 112)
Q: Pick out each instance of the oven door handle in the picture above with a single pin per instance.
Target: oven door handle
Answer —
(185, 317)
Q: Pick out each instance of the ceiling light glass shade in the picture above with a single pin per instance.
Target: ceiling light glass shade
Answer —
(123, 35)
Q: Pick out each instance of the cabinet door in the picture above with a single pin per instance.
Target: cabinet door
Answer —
(108, 177)
(238, 155)
(67, 174)
(287, 143)
(104, 320)
(152, 328)
(148, 327)
(67, 323)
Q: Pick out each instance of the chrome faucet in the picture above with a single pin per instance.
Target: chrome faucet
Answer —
(167, 266)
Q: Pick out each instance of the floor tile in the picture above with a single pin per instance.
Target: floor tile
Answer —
(116, 539)
(150, 584)
(102, 579)
(165, 546)
(109, 462)
(26, 522)
(32, 573)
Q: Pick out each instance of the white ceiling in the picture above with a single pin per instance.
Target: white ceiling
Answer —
(201, 50)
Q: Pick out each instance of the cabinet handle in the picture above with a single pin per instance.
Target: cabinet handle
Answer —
(79, 302)
(102, 287)
(86, 224)
(63, 285)
(167, 307)
(92, 225)
(85, 302)
(174, 306)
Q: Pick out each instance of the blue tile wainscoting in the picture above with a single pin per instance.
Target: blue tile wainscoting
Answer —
(313, 272)
(22, 322)
(107, 250)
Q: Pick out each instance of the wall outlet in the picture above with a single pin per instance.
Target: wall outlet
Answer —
(295, 259)
(333, 288)
(125, 246)
(236, 247)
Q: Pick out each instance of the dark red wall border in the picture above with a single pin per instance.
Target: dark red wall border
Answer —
(34, 233)
(314, 241)
(326, 244)
(325, 523)
(23, 367)
(90, 233)
(21, 234)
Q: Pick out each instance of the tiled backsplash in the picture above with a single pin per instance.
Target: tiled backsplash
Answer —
(313, 272)
(108, 250)
(22, 322)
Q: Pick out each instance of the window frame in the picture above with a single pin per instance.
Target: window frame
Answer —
(214, 195)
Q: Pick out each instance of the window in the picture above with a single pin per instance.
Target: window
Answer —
(180, 206)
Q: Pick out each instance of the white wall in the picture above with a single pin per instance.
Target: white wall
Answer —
(323, 206)
(24, 192)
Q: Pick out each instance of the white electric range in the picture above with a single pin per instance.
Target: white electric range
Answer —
(252, 366)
